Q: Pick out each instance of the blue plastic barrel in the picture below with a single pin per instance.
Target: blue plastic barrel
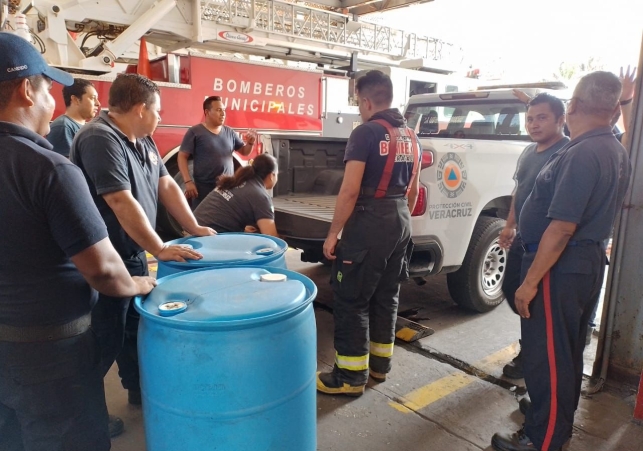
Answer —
(229, 249)
(228, 359)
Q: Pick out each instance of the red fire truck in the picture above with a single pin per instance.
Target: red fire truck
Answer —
(282, 68)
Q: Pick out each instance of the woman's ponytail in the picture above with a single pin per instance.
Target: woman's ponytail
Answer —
(260, 167)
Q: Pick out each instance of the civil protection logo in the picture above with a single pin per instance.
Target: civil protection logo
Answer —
(452, 175)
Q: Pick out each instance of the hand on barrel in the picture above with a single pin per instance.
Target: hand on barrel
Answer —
(144, 284)
(201, 231)
(178, 253)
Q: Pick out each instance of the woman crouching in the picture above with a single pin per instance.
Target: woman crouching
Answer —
(241, 202)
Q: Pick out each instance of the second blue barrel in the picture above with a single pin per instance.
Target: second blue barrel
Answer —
(228, 360)
(229, 249)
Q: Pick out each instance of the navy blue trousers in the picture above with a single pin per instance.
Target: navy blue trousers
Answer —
(52, 396)
(553, 340)
(366, 285)
(115, 322)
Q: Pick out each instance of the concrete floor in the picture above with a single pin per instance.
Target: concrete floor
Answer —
(429, 402)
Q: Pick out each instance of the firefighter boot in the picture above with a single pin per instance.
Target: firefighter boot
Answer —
(329, 383)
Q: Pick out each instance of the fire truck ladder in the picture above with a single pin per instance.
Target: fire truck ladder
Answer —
(301, 22)
(298, 30)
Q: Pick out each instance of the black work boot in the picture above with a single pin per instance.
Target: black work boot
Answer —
(328, 383)
(115, 426)
(134, 397)
(517, 441)
(513, 369)
(524, 405)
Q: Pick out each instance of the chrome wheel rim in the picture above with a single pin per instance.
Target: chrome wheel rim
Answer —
(492, 271)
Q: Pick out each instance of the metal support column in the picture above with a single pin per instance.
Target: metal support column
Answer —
(624, 342)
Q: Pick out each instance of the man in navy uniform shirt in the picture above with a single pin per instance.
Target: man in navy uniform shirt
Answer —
(563, 225)
(54, 249)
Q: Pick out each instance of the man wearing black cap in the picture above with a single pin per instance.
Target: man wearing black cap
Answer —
(54, 249)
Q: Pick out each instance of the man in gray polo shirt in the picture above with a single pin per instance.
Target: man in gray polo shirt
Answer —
(81, 102)
(545, 124)
(127, 178)
(210, 144)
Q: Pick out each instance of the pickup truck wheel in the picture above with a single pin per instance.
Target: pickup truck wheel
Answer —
(477, 285)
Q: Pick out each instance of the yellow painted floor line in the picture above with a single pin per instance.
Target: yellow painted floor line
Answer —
(424, 396)
(497, 358)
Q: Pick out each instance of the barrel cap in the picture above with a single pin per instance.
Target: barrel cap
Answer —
(172, 308)
(273, 278)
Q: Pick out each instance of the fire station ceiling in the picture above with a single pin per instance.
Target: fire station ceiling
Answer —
(360, 7)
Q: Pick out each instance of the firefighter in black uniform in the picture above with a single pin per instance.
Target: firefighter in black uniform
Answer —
(373, 212)
(563, 225)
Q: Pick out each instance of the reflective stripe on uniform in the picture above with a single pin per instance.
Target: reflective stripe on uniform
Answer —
(551, 357)
(382, 349)
(351, 363)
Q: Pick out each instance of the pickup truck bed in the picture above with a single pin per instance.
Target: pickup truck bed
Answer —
(304, 216)
(315, 207)
(304, 220)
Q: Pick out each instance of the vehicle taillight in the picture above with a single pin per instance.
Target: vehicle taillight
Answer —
(427, 159)
(420, 205)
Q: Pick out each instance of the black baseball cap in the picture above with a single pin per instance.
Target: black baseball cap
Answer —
(20, 59)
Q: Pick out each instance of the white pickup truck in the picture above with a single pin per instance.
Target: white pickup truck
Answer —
(471, 142)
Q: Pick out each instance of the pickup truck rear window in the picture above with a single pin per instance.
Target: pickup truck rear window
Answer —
(470, 119)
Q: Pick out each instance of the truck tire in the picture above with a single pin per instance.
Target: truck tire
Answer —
(477, 285)
(168, 227)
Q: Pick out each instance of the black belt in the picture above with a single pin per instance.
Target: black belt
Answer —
(394, 191)
(33, 334)
(533, 247)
